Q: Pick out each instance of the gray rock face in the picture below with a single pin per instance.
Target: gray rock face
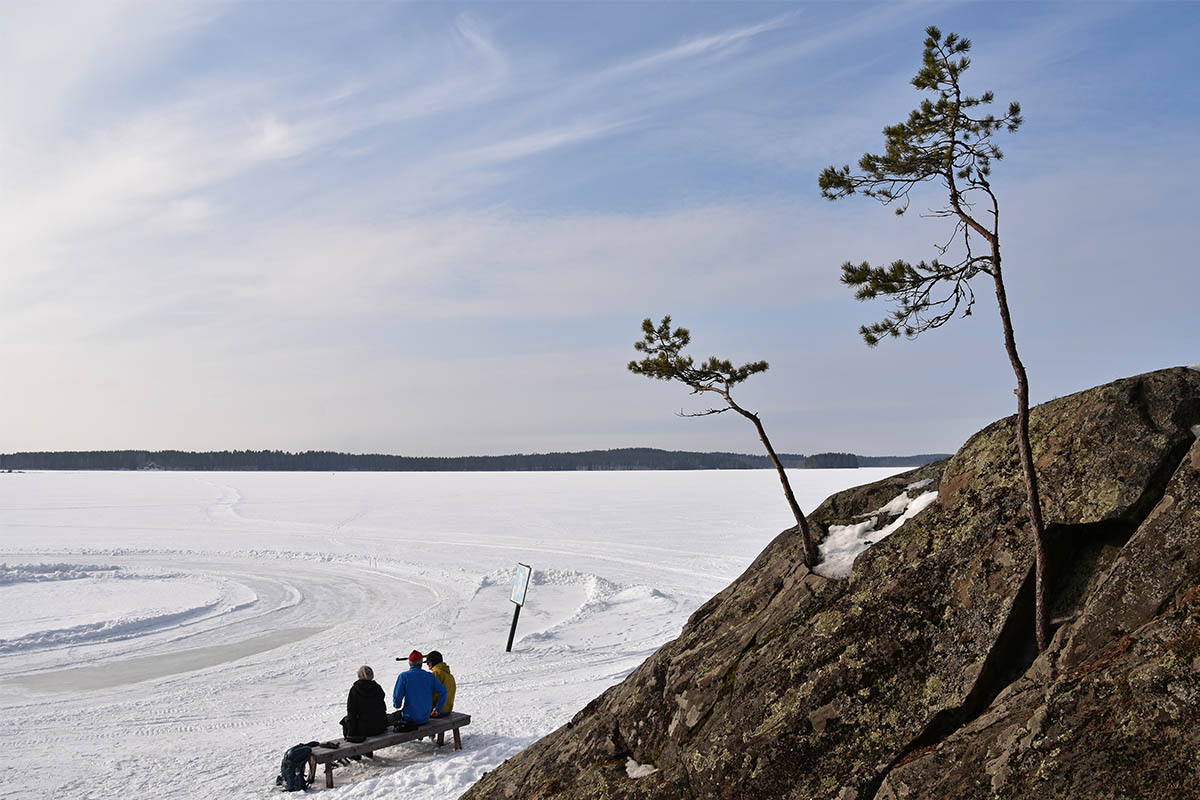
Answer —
(917, 676)
(1113, 709)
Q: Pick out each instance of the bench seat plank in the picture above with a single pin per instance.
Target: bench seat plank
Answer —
(438, 726)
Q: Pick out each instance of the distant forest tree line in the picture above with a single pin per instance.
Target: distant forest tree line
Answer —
(630, 458)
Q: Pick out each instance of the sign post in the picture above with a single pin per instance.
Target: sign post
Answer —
(520, 586)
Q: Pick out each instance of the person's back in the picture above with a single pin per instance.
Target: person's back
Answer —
(366, 708)
(415, 690)
(440, 669)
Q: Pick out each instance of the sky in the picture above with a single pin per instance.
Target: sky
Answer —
(435, 229)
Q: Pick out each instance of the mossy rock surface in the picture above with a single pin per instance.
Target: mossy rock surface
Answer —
(1112, 710)
(791, 685)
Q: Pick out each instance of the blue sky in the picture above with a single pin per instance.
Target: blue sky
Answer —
(434, 229)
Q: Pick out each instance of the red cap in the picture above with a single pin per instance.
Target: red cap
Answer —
(416, 656)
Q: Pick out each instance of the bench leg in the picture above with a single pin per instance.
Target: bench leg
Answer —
(441, 738)
(328, 774)
(457, 740)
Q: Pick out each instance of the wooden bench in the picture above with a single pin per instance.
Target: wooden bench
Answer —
(437, 726)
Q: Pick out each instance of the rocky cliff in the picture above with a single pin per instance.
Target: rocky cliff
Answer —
(918, 676)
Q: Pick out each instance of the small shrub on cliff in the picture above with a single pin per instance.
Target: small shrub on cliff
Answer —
(665, 361)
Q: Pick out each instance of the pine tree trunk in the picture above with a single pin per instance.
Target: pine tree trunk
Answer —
(1041, 612)
(810, 549)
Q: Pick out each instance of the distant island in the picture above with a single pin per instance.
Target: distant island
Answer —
(628, 458)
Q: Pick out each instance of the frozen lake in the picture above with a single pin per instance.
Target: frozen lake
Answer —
(171, 634)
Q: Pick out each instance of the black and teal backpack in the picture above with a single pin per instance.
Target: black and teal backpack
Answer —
(291, 771)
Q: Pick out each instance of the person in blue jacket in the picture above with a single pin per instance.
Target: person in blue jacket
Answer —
(415, 690)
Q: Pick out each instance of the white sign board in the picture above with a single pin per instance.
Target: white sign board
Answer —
(521, 583)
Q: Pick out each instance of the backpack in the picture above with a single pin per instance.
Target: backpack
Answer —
(291, 770)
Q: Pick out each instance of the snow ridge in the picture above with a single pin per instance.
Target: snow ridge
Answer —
(106, 631)
(31, 573)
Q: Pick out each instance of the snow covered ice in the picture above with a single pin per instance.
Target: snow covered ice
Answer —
(171, 633)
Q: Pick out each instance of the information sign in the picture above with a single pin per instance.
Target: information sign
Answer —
(521, 583)
(520, 587)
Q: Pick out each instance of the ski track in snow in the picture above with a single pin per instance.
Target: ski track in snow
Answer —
(164, 627)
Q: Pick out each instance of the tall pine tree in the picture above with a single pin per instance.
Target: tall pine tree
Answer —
(947, 140)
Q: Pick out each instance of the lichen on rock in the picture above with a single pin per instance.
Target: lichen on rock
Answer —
(917, 676)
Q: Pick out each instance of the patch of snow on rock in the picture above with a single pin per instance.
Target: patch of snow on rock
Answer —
(636, 770)
(841, 547)
(918, 485)
(895, 506)
(845, 542)
(916, 506)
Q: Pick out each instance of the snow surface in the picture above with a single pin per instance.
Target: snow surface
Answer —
(635, 770)
(844, 543)
(158, 627)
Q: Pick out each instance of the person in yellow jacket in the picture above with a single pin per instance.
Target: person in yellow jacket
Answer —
(442, 672)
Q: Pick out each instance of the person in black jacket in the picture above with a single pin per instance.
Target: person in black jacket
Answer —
(366, 708)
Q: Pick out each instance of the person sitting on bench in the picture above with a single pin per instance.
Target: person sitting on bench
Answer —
(441, 671)
(366, 708)
(415, 691)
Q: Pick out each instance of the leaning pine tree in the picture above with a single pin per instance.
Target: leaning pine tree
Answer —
(948, 140)
(666, 361)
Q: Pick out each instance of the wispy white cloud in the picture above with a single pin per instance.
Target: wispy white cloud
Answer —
(487, 264)
(475, 32)
(159, 167)
(532, 144)
(54, 50)
(160, 162)
(337, 224)
(717, 44)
